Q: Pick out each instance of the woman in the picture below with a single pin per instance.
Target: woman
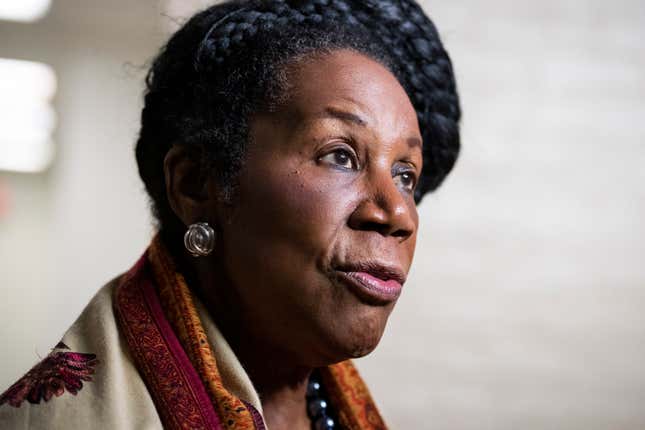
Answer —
(284, 145)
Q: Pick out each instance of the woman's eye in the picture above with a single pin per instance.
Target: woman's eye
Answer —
(341, 157)
(406, 180)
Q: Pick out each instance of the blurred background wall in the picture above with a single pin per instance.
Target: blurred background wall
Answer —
(526, 304)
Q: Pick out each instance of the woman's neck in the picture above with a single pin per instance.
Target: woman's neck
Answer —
(281, 386)
(280, 383)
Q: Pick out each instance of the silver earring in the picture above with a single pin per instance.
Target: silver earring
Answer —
(199, 239)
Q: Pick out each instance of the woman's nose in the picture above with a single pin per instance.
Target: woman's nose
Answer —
(384, 208)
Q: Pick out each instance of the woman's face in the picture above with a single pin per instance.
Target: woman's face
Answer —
(323, 229)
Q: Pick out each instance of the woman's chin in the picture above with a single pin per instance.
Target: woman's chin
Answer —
(346, 349)
(363, 350)
(357, 341)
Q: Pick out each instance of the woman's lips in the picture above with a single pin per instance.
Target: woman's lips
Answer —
(370, 288)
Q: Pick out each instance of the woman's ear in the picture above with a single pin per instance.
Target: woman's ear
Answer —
(187, 187)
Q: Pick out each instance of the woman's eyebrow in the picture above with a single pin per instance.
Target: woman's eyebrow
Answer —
(331, 112)
(414, 142)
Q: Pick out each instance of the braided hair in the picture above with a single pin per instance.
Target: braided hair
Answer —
(228, 62)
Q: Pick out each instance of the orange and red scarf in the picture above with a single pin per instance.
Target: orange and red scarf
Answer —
(161, 325)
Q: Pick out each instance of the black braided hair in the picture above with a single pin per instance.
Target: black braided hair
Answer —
(228, 62)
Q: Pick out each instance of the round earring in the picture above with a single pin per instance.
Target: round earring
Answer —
(199, 239)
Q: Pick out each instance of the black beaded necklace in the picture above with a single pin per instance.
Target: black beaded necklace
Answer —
(318, 407)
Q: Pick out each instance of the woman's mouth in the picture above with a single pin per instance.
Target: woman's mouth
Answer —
(373, 283)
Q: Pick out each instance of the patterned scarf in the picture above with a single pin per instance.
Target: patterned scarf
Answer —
(156, 283)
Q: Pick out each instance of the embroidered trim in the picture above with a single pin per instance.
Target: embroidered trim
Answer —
(58, 372)
(255, 414)
(178, 394)
(179, 308)
(351, 398)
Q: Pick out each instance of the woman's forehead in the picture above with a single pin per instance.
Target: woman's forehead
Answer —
(348, 86)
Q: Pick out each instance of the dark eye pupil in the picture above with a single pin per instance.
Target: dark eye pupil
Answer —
(341, 157)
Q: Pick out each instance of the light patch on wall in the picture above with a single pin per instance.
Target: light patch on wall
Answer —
(27, 118)
(5, 199)
(23, 10)
(177, 12)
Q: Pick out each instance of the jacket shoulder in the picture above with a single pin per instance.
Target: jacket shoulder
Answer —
(88, 380)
